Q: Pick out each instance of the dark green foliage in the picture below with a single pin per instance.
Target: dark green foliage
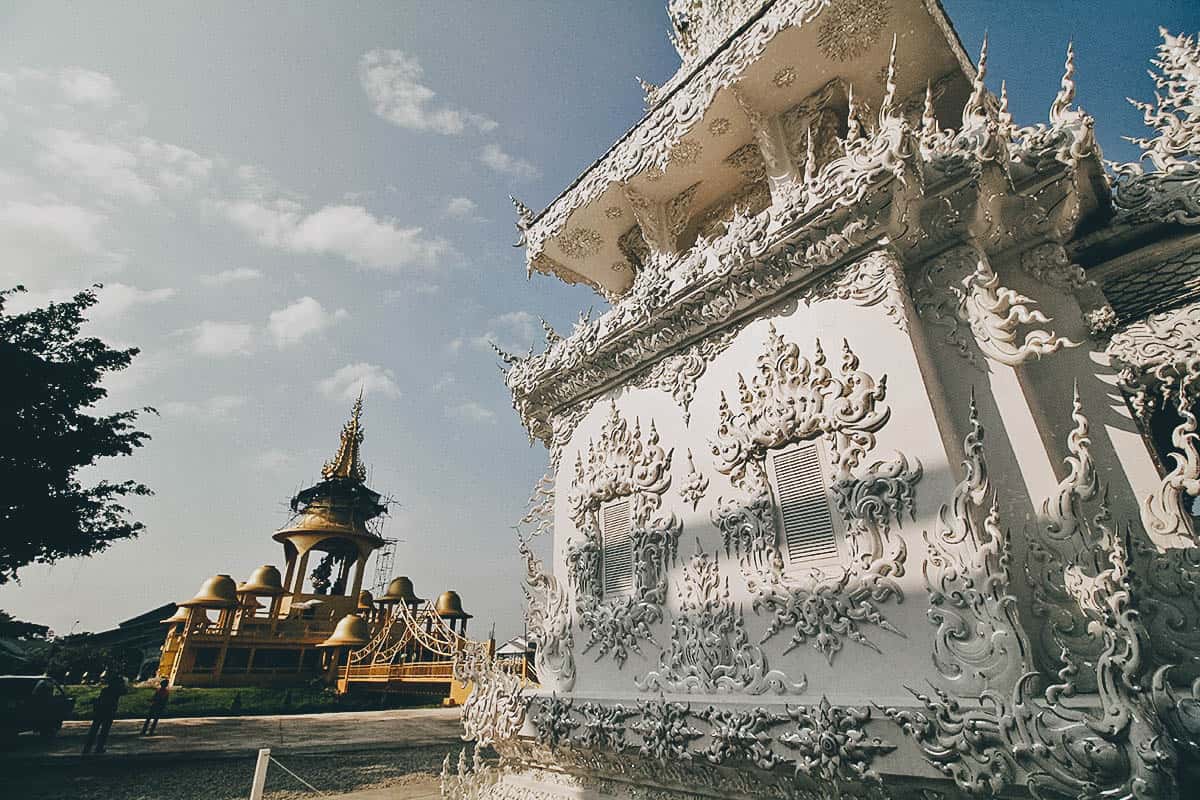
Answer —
(12, 628)
(52, 379)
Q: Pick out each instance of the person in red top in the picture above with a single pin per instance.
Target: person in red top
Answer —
(157, 704)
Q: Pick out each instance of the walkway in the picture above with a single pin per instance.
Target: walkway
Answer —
(216, 737)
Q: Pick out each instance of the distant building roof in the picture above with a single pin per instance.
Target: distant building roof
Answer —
(516, 646)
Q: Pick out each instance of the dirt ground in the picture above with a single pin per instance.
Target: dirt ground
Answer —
(408, 772)
(394, 754)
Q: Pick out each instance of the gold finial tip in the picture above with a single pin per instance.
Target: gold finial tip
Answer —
(347, 463)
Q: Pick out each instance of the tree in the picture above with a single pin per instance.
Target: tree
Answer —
(49, 433)
(13, 628)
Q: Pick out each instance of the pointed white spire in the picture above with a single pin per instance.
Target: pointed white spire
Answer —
(1061, 107)
(1004, 118)
(976, 106)
(929, 123)
(887, 106)
(853, 126)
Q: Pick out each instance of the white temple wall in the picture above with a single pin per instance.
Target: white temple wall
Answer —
(856, 671)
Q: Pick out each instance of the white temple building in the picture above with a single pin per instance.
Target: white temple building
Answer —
(878, 477)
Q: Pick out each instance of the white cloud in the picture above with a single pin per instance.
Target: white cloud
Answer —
(371, 378)
(214, 408)
(228, 276)
(470, 411)
(514, 332)
(115, 299)
(85, 87)
(494, 158)
(173, 167)
(108, 167)
(306, 316)
(211, 338)
(350, 232)
(460, 207)
(34, 228)
(392, 81)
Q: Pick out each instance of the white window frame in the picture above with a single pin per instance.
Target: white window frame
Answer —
(605, 533)
(840, 555)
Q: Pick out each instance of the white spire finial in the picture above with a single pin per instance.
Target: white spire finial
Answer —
(1061, 107)
(886, 108)
(853, 126)
(976, 106)
(1004, 117)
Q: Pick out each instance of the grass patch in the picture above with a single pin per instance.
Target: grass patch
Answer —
(243, 701)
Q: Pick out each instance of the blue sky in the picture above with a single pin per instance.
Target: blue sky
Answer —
(286, 201)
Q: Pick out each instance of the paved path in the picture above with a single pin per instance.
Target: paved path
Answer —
(429, 789)
(216, 737)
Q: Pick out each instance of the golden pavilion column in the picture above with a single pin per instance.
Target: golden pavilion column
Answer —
(359, 569)
(301, 569)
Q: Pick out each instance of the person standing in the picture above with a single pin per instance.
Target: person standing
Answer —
(103, 713)
(157, 704)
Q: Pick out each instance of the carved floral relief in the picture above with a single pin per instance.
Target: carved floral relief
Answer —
(623, 462)
(794, 398)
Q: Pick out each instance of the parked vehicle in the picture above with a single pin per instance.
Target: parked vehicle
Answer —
(32, 703)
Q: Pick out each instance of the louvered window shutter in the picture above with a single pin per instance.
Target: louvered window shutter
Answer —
(803, 496)
(616, 546)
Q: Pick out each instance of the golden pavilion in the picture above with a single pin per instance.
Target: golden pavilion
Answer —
(292, 627)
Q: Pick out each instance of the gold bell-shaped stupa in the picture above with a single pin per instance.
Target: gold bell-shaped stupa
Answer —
(265, 581)
(351, 631)
(219, 591)
(400, 590)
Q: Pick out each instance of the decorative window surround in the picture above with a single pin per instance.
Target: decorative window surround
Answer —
(621, 465)
(790, 400)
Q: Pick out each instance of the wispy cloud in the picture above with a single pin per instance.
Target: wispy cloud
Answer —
(214, 408)
(460, 207)
(350, 232)
(85, 87)
(393, 83)
(372, 378)
(470, 411)
(514, 331)
(302, 318)
(228, 276)
(496, 159)
(31, 228)
(117, 299)
(211, 338)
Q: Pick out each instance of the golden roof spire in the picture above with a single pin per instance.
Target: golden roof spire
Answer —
(348, 462)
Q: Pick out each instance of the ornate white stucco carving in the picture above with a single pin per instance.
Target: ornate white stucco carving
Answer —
(793, 399)
(548, 607)
(1163, 511)
(694, 486)
(877, 278)
(710, 651)
(979, 643)
(1171, 192)
(960, 287)
(1124, 748)
(1050, 264)
(621, 464)
(831, 743)
(677, 374)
